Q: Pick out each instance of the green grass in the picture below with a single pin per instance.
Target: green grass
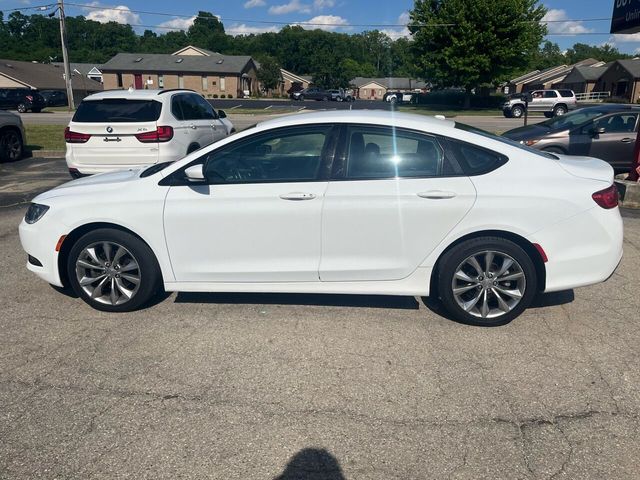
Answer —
(45, 137)
(57, 109)
(449, 112)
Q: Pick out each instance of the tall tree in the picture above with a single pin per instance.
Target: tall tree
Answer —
(468, 43)
(269, 72)
(605, 53)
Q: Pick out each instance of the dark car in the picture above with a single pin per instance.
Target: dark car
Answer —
(21, 99)
(607, 132)
(312, 93)
(54, 98)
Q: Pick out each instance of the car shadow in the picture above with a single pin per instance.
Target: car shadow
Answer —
(311, 299)
(312, 464)
(155, 300)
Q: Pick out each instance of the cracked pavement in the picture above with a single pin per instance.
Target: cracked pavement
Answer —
(247, 386)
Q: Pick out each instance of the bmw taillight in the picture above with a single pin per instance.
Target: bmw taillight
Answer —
(29, 97)
(75, 137)
(160, 134)
(607, 198)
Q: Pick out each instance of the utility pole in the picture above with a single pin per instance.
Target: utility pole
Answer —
(65, 56)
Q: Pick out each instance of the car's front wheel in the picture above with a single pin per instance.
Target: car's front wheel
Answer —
(22, 108)
(486, 281)
(113, 270)
(11, 147)
(559, 111)
(517, 111)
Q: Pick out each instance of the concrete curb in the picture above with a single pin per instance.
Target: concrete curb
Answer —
(46, 154)
(629, 192)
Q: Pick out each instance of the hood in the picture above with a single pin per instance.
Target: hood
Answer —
(99, 182)
(529, 132)
(586, 167)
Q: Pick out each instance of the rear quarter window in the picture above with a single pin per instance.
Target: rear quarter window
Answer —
(476, 160)
(115, 110)
(566, 93)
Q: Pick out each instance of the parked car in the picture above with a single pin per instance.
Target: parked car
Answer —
(312, 93)
(21, 99)
(341, 95)
(607, 132)
(287, 207)
(126, 128)
(552, 103)
(398, 97)
(12, 137)
(55, 98)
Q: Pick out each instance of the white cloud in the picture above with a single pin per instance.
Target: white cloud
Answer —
(557, 21)
(120, 14)
(254, 3)
(624, 38)
(396, 33)
(242, 29)
(325, 22)
(320, 4)
(292, 6)
(178, 23)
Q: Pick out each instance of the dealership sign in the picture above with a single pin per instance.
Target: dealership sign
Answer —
(626, 16)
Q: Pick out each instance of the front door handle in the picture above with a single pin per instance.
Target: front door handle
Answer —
(436, 194)
(627, 140)
(192, 126)
(297, 196)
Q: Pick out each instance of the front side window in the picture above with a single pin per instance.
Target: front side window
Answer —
(206, 110)
(386, 152)
(287, 155)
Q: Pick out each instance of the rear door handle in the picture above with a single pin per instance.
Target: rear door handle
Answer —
(297, 196)
(627, 140)
(192, 126)
(436, 194)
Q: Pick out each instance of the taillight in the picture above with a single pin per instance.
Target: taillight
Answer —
(607, 198)
(75, 137)
(29, 97)
(160, 134)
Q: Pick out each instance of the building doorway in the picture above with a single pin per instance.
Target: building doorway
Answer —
(137, 81)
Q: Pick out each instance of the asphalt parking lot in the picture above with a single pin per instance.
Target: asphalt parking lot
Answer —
(241, 386)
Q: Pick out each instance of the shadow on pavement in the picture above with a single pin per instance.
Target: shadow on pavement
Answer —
(366, 301)
(312, 464)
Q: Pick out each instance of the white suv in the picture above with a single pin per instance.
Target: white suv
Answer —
(120, 129)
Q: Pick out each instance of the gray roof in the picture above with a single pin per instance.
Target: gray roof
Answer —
(45, 76)
(632, 66)
(390, 82)
(163, 62)
(587, 74)
(83, 68)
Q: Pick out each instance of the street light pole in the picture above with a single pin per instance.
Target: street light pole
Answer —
(65, 56)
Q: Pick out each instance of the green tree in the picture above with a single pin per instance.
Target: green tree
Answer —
(269, 72)
(549, 55)
(208, 32)
(605, 53)
(468, 43)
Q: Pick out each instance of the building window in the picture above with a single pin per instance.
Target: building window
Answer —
(205, 83)
(180, 81)
(160, 81)
(223, 84)
(119, 79)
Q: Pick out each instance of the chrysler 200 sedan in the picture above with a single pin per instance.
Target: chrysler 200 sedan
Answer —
(350, 202)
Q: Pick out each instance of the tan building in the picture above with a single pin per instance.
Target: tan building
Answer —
(206, 72)
(376, 88)
(583, 79)
(291, 81)
(622, 79)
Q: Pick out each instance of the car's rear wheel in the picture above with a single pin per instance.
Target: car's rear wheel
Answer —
(22, 108)
(11, 147)
(486, 281)
(113, 271)
(517, 111)
(559, 111)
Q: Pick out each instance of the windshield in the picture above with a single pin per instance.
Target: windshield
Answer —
(118, 110)
(572, 119)
(504, 140)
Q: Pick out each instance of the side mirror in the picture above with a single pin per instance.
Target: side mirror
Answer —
(222, 114)
(195, 173)
(597, 131)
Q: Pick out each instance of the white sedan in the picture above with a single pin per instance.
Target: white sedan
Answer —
(354, 202)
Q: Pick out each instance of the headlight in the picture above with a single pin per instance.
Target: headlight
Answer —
(35, 212)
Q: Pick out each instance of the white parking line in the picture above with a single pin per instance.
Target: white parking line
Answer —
(234, 107)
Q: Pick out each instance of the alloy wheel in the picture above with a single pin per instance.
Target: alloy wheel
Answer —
(488, 284)
(108, 273)
(10, 146)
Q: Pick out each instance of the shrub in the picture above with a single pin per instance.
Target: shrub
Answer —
(215, 95)
(229, 96)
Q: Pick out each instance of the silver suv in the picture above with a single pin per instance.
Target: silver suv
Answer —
(552, 103)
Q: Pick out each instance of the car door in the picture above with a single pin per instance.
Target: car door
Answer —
(4, 99)
(258, 217)
(392, 199)
(216, 129)
(616, 142)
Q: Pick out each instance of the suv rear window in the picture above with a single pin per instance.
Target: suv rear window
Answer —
(566, 93)
(115, 110)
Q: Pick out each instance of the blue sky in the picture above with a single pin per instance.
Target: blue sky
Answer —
(246, 16)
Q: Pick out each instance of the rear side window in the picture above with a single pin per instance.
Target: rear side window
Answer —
(566, 93)
(115, 110)
(476, 160)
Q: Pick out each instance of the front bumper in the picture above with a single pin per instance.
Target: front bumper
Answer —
(39, 240)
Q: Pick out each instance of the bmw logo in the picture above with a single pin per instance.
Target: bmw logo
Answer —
(109, 129)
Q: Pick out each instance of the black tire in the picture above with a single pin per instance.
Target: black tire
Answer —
(517, 111)
(22, 108)
(559, 110)
(301, 98)
(148, 271)
(11, 146)
(192, 148)
(507, 114)
(325, 99)
(393, 100)
(548, 114)
(452, 261)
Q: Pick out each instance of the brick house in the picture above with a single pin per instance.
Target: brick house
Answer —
(375, 88)
(622, 79)
(208, 73)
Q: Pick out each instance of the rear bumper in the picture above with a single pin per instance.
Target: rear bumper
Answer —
(78, 169)
(583, 250)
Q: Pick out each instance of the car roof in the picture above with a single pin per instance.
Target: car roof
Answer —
(611, 107)
(132, 94)
(375, 117)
